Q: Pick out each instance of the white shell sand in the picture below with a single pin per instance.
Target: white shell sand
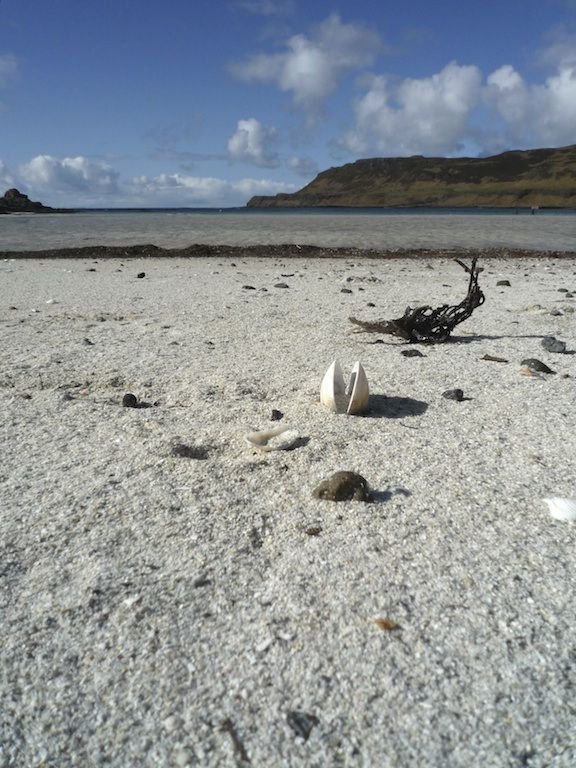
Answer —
(158, 610)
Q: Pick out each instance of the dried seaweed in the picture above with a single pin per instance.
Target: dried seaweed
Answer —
(426, 324)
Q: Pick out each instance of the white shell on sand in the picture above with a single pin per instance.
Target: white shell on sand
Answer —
(351, 399)
(562, 509)
(277, 439)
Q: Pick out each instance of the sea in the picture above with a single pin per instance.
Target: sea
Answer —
(370, 228)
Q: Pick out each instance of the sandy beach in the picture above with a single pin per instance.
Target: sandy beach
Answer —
(170, 596)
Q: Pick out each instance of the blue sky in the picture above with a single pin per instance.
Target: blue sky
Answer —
(207, 102)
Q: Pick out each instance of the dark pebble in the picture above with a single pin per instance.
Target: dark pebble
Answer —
(130, 401)
(370, 304)
(536, 365)
(345, 290)
(562, 290)
(301, 723)
(249, 287)
(552, 344)
(568, 295)
(556, 312)
(411, 353)
(88, 343)
(276, 415)
(141, 274)
(453, 394)
(343, 486)
(503, 282)
(281, 285)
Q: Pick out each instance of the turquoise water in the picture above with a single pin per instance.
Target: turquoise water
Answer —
(381, 229)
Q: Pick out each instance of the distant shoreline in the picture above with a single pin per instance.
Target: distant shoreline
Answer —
(288, 251)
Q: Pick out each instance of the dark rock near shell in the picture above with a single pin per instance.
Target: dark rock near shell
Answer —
(130, 401)
(276, 415)
(141, 275)
(551, 344)
(411, 353)
(536, 365)
(453, 394)
(343, 486)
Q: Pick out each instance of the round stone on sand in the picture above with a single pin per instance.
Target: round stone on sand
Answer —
(343, 486)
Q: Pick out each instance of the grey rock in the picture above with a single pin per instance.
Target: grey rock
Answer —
(552, 344)
(536, 365)
(453, 394)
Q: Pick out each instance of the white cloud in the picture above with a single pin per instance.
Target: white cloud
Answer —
(312, 67)
(75, 175)
(251, 143)
(418, 116)
(8, 68)
(6, 178)
(179, 189)
(535, 114)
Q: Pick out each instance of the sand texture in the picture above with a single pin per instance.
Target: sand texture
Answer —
(171, 596)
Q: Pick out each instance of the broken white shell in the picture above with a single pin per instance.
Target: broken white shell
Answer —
(562, 509)
(277, 439)
(351, 399)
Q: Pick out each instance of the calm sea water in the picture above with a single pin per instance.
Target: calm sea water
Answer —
(357, 228)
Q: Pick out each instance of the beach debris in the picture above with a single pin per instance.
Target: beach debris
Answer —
(552, 344)
(536, 365)
(556, 312)
(454, 394)
(426, 324)
(503, 282)
(313, 530)
(386, 624)
(562, 509)
(343, 486)
(345, 290)
(335, 395)
(411, 353)
(301, 723)
(184, 451)
(281, 285)
(130, 401)
(276, 415)
(141, 275)
(277, 439)
(494, 358)
(227, 726)
(531, 374)
(249, 287)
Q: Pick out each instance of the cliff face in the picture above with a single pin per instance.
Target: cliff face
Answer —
(14, 201)
(536, 177)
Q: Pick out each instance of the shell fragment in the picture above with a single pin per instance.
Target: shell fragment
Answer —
(351, 399)
(277, 439)
(562, 509)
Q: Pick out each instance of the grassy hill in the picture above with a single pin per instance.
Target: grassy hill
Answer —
(535, 177)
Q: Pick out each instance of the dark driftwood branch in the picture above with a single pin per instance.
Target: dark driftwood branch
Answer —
(425, 324)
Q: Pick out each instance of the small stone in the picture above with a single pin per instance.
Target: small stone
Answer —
(276, 415)
(562, 290)
(556, 312)
(345, 290)
(551, 344)
(301, 723)
(536, 365)
(87, 343)
(503, 282)
(141, 275)
(568, 295)
(343, 486)
(130, 401)
(411, 353)
(248, 287)
(453, 394)
(281, 285)
(370, 304)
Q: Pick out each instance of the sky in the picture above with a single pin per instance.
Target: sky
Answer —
(204, 103)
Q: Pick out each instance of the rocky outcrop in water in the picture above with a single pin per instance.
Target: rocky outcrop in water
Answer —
(14, 201)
